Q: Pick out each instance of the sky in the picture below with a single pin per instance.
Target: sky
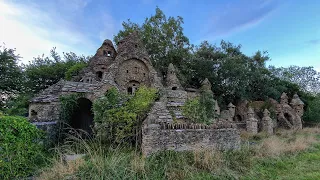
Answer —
(288, 29)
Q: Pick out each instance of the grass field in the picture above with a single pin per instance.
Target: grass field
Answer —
(286, 155)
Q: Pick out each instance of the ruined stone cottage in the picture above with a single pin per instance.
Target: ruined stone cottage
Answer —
(128, 67)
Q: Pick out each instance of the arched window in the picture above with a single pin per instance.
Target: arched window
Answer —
(129, 90)
(99, 74)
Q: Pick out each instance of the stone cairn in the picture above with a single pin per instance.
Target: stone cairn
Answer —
(251, 122)
(267, 124)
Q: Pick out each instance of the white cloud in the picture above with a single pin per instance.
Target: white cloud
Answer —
(33, 31)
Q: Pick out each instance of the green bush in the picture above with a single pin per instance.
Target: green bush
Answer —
(20, 147)
(74, 70)
(118, 118)
(200, 109)
(312, 113)
(17, 106)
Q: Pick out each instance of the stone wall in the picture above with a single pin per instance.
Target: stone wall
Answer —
(44, 112)
(155, 138)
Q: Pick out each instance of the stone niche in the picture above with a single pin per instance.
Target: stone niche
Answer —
(132, 74)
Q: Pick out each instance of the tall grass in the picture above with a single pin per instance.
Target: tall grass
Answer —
(117, 162)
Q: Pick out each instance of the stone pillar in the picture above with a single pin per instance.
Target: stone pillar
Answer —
(297, 105)
(267, 124)
(252, 122)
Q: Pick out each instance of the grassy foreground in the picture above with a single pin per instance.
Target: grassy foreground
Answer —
(286, 155)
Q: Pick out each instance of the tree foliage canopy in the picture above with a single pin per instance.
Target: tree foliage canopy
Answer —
(43, 71)
(10, 72)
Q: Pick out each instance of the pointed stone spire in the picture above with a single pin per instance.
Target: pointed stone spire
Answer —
(266, 113)
(206, 85)
(284, 98)
(267, 124)
(232, 109)
(230, 105)
(296, 101)
(216, 107)
(250, 111)
(172, 81)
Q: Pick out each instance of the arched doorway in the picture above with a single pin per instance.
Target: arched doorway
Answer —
(82, 117)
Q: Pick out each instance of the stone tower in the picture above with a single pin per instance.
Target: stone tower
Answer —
(267, 124)
(297, 105)
(252, 122)
(172, 81)
(104, 56)
(206, 85)
(284, 98)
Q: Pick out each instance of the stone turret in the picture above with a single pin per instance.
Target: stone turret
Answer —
(131, 44)
(206, 85)
(232, 109)
(216, 108)
(267, 124)
(172, 81)
(284, 98)
(252, 122)
(104, 56)
(297, 105)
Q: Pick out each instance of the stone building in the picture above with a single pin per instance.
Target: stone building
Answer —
(126, 68)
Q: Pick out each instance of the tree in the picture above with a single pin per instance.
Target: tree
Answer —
(10, 74)
(306, 77)
(163, 38)
(43, 71)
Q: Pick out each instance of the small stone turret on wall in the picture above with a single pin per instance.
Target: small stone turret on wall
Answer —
(229, 113)
(267, 124)
(172, 81)
(252, 122)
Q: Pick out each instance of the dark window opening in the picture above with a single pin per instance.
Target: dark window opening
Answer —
(238, 118)
(129, 90)
(109, 54)
(144, 74)
(174, 88)
(135, 46)
(99, 74)
(104, 52)
(103, 68)
(127, 71)
(34, 113)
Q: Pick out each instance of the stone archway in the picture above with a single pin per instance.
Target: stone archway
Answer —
(82, 117)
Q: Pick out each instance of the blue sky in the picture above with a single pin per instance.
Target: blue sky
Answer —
(289, 29)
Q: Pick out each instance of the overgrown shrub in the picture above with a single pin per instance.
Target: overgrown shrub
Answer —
(21, 151)
(118, 118)
(74, 70)
(200, 109)
(192, 110)
(312, 113)
(17, 106)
